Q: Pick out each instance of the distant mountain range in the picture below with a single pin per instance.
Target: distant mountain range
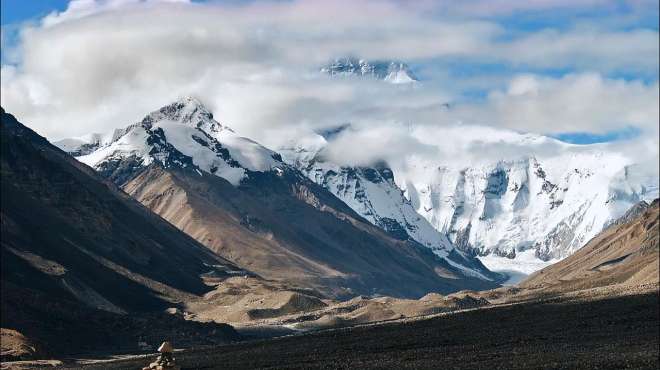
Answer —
(547, 206)
(532, 209)
(526, 210)
(248, 204)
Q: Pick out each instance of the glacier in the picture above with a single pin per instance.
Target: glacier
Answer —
(517, 214)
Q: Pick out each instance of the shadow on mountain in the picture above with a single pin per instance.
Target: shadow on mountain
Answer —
(84, 266)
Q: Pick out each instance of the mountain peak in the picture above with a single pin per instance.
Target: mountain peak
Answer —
(180, 134)
(187, 110)
(190, 101)
(395, 72)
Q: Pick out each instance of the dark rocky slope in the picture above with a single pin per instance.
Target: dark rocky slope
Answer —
(78, 254)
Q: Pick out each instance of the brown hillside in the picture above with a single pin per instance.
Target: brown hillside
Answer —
(623, 254)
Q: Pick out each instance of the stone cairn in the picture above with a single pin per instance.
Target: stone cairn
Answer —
(165, 361)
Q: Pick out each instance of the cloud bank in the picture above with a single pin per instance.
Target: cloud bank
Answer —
(104, 64)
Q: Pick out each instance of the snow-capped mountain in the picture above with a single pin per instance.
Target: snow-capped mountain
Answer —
(184, 134)
(373, 194)
(390, 71)
(370, 191)
(534, 209)
(520, 214)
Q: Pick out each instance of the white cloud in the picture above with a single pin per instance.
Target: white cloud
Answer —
(631, 51)
(506, 7)
(574, 103)
(77, 9)
(104, 64)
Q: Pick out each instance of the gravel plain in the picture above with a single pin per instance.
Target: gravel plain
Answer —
(612, 333)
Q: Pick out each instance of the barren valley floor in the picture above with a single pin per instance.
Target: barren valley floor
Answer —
(612, 333)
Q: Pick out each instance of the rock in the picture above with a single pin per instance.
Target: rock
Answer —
(174, 311)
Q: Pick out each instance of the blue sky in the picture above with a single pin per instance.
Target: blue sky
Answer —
(16, 11)
(597, 45)
(590, 138)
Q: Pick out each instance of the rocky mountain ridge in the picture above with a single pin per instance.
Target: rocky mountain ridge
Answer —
(540, 209)
(177, 161)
